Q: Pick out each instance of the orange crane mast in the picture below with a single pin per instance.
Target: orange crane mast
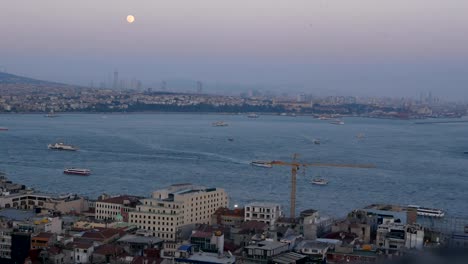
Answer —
(295, 165)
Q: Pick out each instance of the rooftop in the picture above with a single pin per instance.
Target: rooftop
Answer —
(267, 245)
(287, 258)
(16, 214)
(134, 239)
(262, 204)
(203, 257)
(133, 200)
(45, 235)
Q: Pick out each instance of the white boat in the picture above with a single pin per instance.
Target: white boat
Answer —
(219, 124)
(253, 115)
(319, 181)
(424, 211)
(317, 141)
(337, 122)
(76, 171)
(62, 146)
(260, 163)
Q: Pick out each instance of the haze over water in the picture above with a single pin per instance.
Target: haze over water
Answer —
(138, 153)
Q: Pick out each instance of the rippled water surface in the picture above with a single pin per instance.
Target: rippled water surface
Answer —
(137, 153)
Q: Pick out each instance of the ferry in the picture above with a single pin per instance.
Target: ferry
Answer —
(337, 122)
(219, 124)
(260, 163)
(319, 181)
(3, 128)
(252, 116)
(62, 146)
(424, 211)
(76, 171)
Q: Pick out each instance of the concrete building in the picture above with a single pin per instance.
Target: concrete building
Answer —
(263, 212)
(5, 243)
(168, 211)
(395, 236)
(264, 251)
(114, 208)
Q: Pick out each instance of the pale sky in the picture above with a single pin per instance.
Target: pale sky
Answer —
(351, 46)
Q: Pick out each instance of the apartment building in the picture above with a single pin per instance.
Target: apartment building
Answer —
(168, 210)
(116, 208)
(264, 212)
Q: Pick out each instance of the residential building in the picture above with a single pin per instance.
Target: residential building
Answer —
(263, 212)
(42, 240)
(228, 217)
(169, 210)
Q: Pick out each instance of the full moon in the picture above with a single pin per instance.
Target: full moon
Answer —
(130, 19)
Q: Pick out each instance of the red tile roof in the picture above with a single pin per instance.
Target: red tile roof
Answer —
(101, 234)
(81, 245)
(45, 235)
(109, 249)
(223, 211)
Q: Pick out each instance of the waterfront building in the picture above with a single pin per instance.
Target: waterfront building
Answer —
(264, 251)
(116, 208)
(169, 210)
(263, 212)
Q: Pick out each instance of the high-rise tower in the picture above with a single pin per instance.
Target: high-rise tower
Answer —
(116, 80)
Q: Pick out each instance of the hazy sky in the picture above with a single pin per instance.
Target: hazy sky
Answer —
(350, 46)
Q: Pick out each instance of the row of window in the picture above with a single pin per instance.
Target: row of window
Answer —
(108, 206)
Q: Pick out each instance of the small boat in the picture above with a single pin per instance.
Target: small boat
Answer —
(231, 139)
(260, 163)
(466, 152)
(424, 211)
(219, 124)
(337, 122)
(319, 181)
(3, 128)
(76, 171)
(324, 118)
(51, 114)
(316, 141)
(62, 146)
(252, 115)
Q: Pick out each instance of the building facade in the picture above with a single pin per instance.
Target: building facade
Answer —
(116, 208)
(168, 210)
(264, 212)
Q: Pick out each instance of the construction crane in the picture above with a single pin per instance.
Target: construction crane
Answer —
(295, 165)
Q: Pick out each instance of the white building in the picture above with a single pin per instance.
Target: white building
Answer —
(116, 207)
(263, 212)
(82, 252)
(168, 210)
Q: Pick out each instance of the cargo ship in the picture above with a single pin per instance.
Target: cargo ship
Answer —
(76, 171)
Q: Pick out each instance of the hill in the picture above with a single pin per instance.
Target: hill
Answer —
(11, 84)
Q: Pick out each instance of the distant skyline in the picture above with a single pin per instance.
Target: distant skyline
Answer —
(362, 47)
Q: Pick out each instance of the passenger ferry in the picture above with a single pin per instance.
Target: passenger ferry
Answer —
(62, 146)
(423, 211)
(260, 163)
(76, 171)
